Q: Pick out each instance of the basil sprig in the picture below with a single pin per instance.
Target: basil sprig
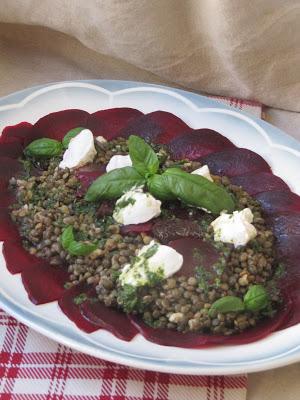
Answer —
(70, 135)
(256, 299)
(143, 157)
(113, 184)
(43, 148)
(74, 247)
(172, 184)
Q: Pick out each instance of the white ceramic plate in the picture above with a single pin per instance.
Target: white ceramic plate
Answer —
(280, 150)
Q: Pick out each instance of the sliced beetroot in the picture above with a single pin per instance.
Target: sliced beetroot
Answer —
(288, 248)
(87, 175)
(142, 126)
(44, 282)
(108, 123)
(137, 228)
(259, 182)
(285, 224)
(12, 150)
(294, 294)
(166, 230)
(21, 133)
(103, 317)
(278, 201)
(167, 337)
(198, 143)
(8, 230)
(17, 258)
(9, 167)
(72, 310)
(171, 126)
(57, 124)
(195, 253)
(7, 197)
(234, 162)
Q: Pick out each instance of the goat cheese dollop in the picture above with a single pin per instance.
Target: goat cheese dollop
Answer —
(136, 207)
(153, 263)
(203, 171)
(118, 161)
(234, 228)
(81, 150)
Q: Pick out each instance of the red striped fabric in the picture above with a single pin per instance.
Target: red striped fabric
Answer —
(33, 367)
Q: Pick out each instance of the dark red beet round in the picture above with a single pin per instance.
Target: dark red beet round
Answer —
(44, 283)
(12, 150)
(234, 162)
(108, 123)
(166, 230)
(7, 197)
(115, 321)
(8, 230)
(198, 143)
(57, 124)
(167, 337)
(259, 182)
(144, 127)
(17, 258)
(137, 228)
(278, 201)
(288, 248)
(284, 224)
(171, 125)
(87, 175)
(21, 133)
(195, 253)
(72, 310)
(9, 167)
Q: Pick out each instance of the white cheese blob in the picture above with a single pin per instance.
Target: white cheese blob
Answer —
(81, 150)
(234, 228)
(136, 207)
(153, 262)
(203, 171)
(101, 139)
(118, 162)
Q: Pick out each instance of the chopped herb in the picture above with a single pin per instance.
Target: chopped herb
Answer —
(124, 203)
(204, 278)
(150, 252)
(128, 298)
(81, 298)
(279, 271)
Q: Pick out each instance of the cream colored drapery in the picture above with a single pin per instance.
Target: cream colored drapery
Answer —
(242, 48)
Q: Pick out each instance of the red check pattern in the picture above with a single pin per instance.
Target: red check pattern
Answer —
(33, 367)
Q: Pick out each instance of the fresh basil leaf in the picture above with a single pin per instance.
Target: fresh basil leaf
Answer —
(113, 184)
(67, 237)
(143, 157)
(226, 304)
(197, 191)
(43, 148)
(256, 298)
(81, 248)
(70, 135)
(159, 188)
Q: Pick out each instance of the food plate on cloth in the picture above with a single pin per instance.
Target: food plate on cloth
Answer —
(150, 226)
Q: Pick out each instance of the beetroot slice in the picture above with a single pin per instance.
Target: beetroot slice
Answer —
(285, 224)
(21, 133)
(144, 127)
(259, 182)
(108, 123)
(12, 150)
(87, 175)
(72, 310)
(137, 228)
(167, 337)
(198, 143)
(171, 125)
(166, 230)
(17, 258)
(115, 321)
(7, 197)
(8, 230)
(195, 253)
(288, 248)
(9, 167)
(234, 162)
(57, 124)
(36, 277)
(278, 201)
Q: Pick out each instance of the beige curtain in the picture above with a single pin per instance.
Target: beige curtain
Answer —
(242, 48)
